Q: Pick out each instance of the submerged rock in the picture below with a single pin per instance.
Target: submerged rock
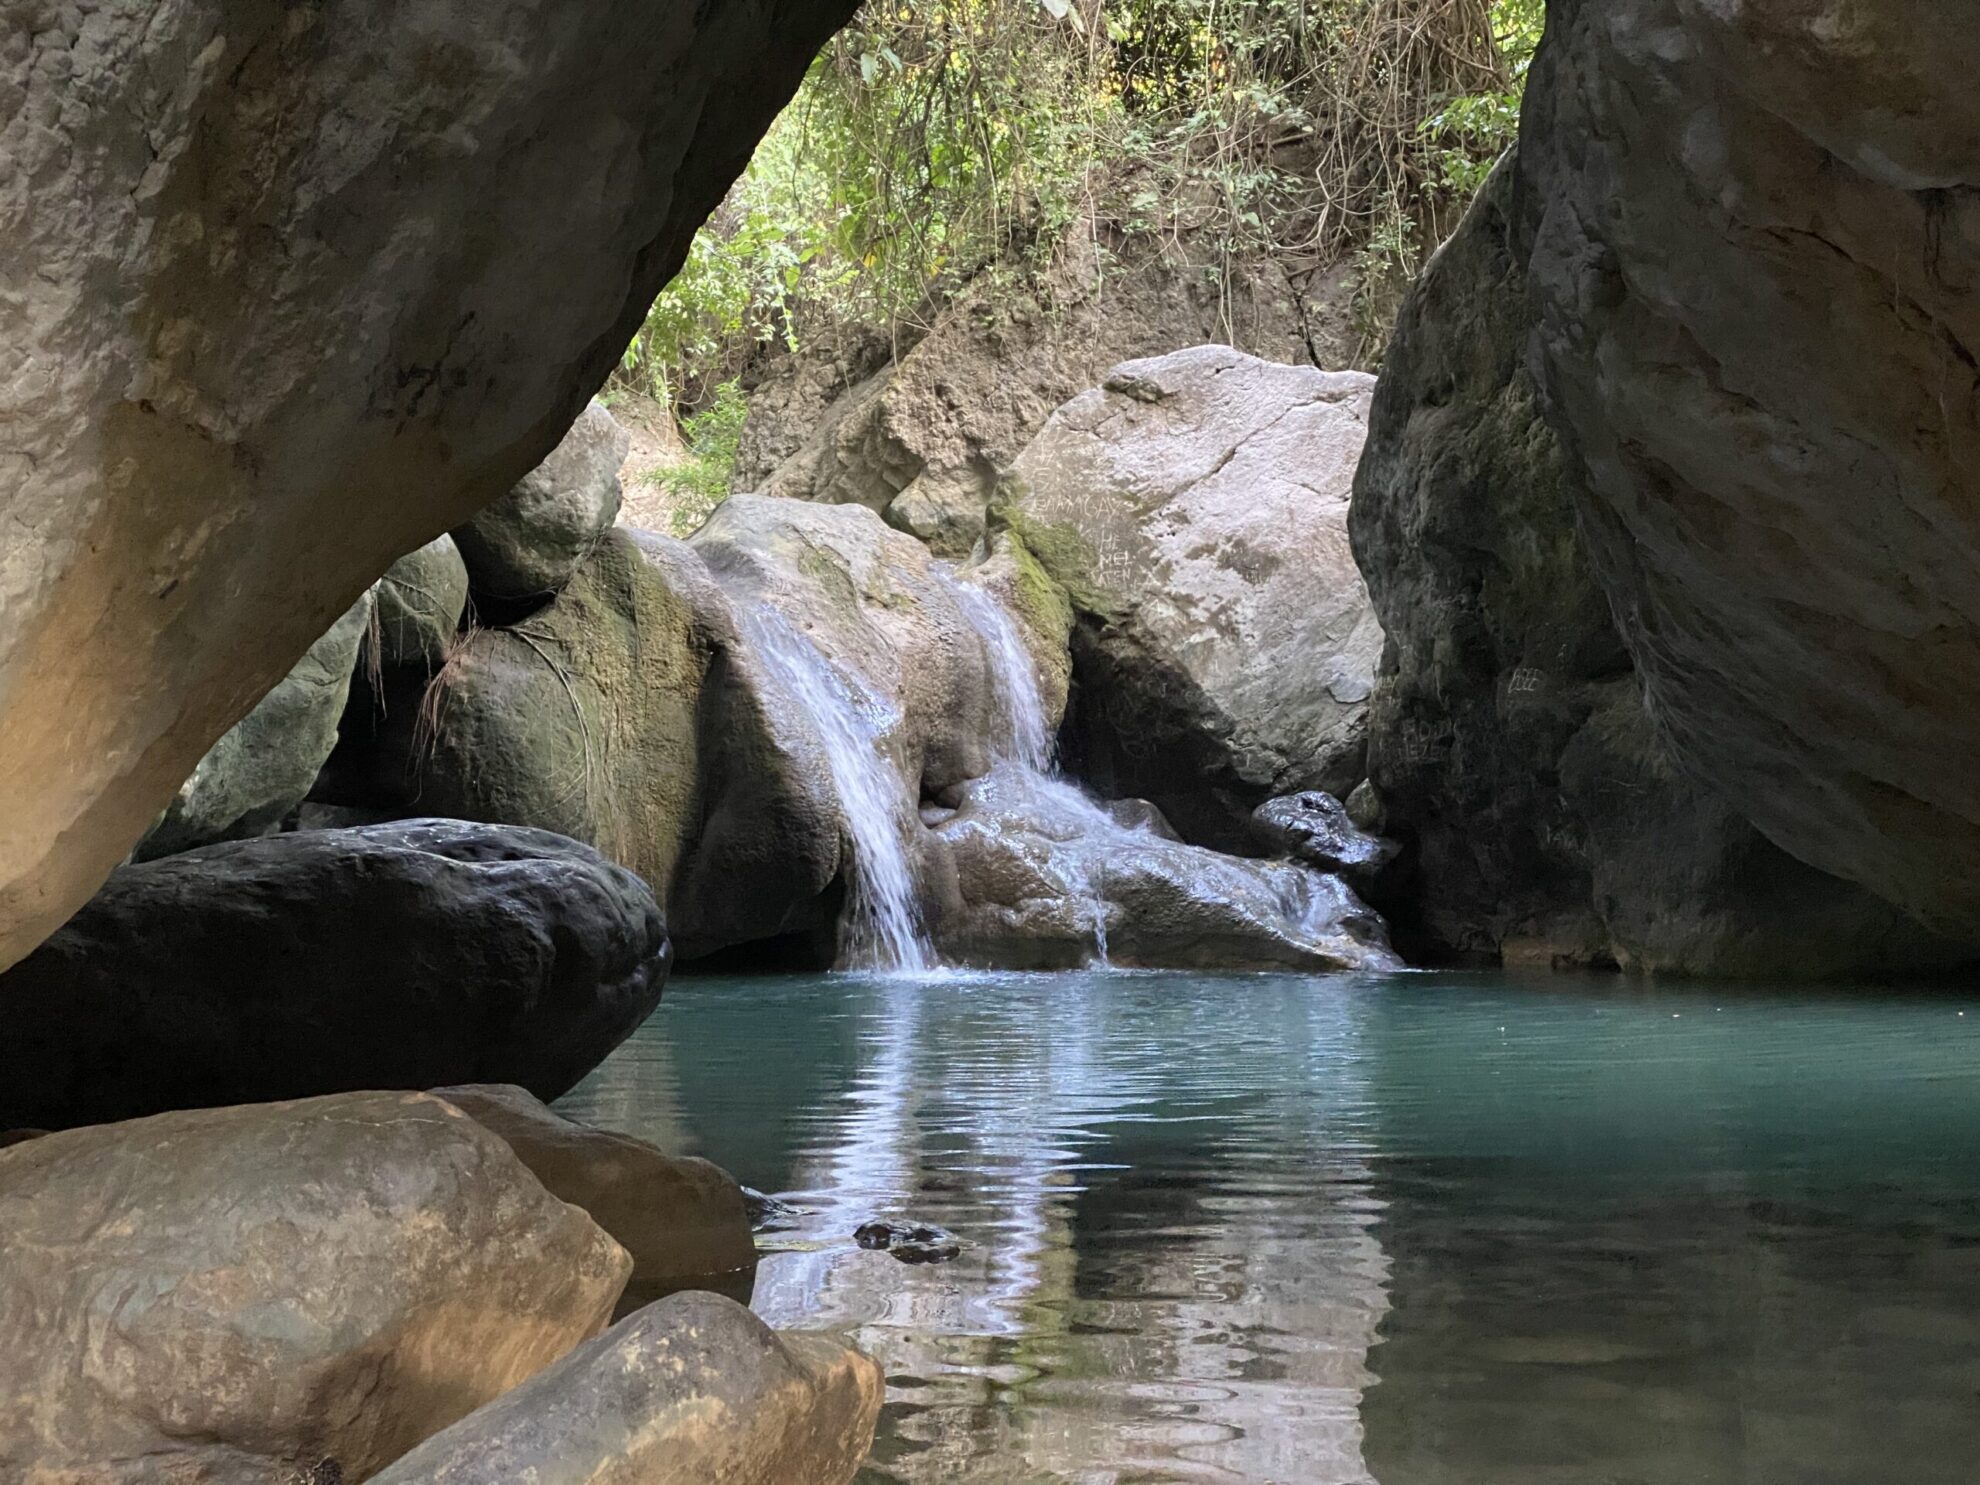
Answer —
(265, 764)
(300, 290)
(684, 1221)
(386, 956)
(1509, 740)
(529, 543)
(290, 1291)
(1754, 256)
(910, 1242)
(693, 1390)
(1046, 879)
(769, 1213)
(1194, 507)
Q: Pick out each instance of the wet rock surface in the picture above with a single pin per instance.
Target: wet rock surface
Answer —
(1754, 264)
(402, 955)
(693, 1390)
(292, 294)
(1194, 507)
(1314, 827)
(769, 1213)
(910, 1242)
(1046, 879)
(683, 1221)
(1510, 743)
(280, 1292)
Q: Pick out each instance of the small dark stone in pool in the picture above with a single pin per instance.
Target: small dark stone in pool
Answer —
(767, 1213)
(910, 1242)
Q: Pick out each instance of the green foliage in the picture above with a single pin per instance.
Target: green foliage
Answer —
(936, 141)
(700, 482)
(1472, 130)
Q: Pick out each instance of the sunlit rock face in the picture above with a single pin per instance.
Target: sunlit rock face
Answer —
(1194, 506)
(287, 294)
(1757, 245)
(1508, 739)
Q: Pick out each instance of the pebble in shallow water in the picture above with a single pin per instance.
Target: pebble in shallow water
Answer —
(910, 1242)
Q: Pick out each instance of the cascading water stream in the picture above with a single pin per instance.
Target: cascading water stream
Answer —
(1025, 743)
(883, 916)
(1027, 740)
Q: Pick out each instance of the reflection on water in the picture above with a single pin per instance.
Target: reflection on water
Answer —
(1294, 1230)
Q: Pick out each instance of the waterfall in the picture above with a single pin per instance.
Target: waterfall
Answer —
(883, 916)
(1027, 740)
(1024, 744)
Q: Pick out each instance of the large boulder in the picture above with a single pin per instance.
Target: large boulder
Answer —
(1194, 506)
(583, 718)
(693, 1390)
(390, 956)
(627, 714)
(883, 615)
(1755, 248)
(921, 435)
(263, 766)
(527, 544)
(287, 293)
(421, 601)
(1508, 737)
(649, 711)
(1045, 878)
(287, 1292)
(682, 1220)
(872, 684)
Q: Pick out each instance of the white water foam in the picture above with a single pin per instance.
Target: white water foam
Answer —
(883, 929)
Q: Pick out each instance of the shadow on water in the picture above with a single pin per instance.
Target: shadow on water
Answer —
(1293, 1230)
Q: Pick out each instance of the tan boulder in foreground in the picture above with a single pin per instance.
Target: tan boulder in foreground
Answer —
(693, 1390)
(276, 1291)
(682, 1219)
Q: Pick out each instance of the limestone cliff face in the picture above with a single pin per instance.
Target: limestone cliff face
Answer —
(1754, 267)
(286, 293)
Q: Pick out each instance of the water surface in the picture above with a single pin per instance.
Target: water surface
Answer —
(1298, 1230)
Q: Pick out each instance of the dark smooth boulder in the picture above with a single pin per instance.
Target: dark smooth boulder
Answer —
(385, 956)
(1510, 745)
(1755, 264)
(693, 1390)
(684, 1221)
(283, 1292)
(1314, 827)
